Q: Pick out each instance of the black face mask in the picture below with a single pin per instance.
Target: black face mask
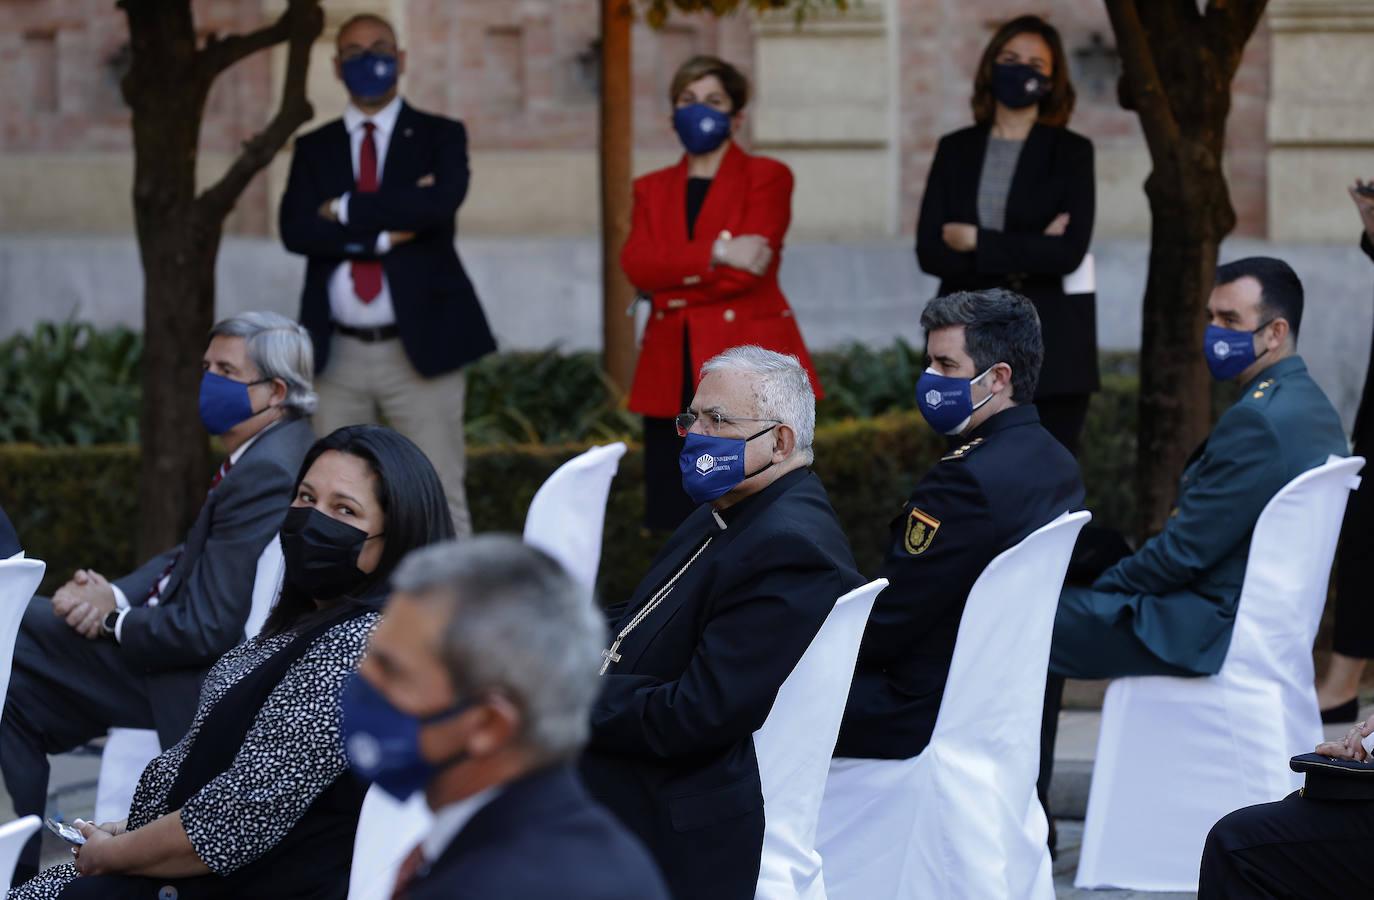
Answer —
(321, 553)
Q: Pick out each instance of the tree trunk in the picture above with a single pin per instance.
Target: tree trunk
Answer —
(617, 161)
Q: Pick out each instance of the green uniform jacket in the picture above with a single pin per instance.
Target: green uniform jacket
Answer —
(1179, 592)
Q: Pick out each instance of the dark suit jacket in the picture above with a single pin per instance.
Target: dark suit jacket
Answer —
(1053, 175)
(1007, 478)
(205, 605)
(440, 320)
(542, 838)
(672, 750)
(9, 538)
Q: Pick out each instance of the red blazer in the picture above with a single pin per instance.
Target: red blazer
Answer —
(719, 306)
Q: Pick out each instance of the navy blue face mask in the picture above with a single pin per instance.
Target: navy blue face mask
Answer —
(370, 76)
(383, 743)
(1017, 86)
(946, 401)
(1229, 351)
(701, 128)
(713, 466)
(225, 403)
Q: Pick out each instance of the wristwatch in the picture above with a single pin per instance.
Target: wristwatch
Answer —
(107, 624)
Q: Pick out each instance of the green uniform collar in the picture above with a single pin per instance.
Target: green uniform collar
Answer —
(1289, 365)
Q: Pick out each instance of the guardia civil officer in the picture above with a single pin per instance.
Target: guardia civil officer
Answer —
(1168, 608)
(1003, 477)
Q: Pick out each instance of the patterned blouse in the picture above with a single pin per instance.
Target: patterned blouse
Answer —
(291, 754)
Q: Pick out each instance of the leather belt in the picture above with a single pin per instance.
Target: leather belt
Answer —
(368, 335)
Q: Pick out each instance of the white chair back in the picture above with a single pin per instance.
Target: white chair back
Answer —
(13, 836)
(19, 579)
(794, 747)
(387, 830)
(129, 750)
(1174, 755)
(962, 818)
(567, 516)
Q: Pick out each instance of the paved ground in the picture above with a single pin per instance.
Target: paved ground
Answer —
(73, 784)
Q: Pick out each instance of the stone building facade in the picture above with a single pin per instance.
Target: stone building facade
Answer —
(854, 103)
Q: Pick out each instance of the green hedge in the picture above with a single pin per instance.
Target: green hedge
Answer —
(75, 506)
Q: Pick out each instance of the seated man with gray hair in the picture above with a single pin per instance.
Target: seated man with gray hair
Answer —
(476, 689)
(132, 652)
(726, 610)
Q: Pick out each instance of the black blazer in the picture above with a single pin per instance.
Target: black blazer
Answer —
(672, 750)
(441, 323)
(542, 838)
(1010, 478)
(9, 538)
(1053, 175)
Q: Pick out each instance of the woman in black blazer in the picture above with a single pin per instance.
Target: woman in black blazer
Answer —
(1009, 203)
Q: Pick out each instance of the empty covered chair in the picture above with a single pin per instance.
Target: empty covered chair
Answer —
(1176, 754)
(568, 513)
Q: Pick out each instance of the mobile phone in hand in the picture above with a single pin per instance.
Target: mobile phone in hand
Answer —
(66, 832)
(1365, 190)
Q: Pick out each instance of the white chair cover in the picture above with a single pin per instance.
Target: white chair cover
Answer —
(387, 830)
(13, 836)
(794, 747)
(19, 579)
(567, 516)
(962, 819)
(1176, 754)
(129, 750)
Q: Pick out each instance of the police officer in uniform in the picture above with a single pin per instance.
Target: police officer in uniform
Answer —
(1168, 608)
(1003, 477)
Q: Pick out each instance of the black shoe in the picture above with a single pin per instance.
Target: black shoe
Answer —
(1339, 715)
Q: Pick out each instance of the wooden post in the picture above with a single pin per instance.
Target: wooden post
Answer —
(617, 161)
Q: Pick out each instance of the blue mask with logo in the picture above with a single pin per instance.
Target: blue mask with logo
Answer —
(700, 128)
(1230, 352)
(370, 75)
(1017, 86)
(225, 403)
(947, 402)
(713, 466)
(383, 743)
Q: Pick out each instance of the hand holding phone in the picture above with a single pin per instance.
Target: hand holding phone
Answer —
(66, 832)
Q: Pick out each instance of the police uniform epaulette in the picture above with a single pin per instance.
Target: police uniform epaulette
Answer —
(1265, 389)
(963, 450)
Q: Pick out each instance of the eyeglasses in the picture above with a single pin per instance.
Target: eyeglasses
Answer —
(685, 421)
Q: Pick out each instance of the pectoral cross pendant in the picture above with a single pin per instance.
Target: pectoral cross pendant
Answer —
(610, 656)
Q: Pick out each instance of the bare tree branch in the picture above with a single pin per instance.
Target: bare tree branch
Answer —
(1148, 97)
(1241, 18)
(305, 21)
(221, 53)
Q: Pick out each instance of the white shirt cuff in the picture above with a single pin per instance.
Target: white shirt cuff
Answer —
(119, 625)
(121, 601)
(383, 242)
(343, 210)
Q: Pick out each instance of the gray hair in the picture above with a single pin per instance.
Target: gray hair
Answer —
(520, 627)
(280, 348)
(782, 389)
(999, 326)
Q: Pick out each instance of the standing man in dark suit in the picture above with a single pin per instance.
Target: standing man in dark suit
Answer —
(132, 652)
(727, 609)
(371, 201)
(9, 538)
(475, 689)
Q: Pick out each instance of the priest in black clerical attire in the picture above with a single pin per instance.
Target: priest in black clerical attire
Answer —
(727, 609)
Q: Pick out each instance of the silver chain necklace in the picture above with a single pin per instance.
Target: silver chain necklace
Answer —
(610, 655)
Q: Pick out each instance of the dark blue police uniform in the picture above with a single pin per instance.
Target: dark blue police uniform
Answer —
(1000, 482)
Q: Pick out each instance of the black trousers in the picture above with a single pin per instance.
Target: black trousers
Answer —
(1063, 416)
(666, 504)
(64, 691)
(1353, 631)
(1293, 848)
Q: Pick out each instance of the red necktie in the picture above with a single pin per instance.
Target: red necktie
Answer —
(156, 589)
(410, 867)
(367, 273)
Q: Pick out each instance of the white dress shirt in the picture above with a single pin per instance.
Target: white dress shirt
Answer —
(452, 819)
(344, 304)
(122, 601)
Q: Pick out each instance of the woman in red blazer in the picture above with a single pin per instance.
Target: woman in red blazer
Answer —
(704, 245)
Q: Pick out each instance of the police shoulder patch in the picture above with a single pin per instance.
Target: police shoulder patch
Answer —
(963, 450)
(920, 532)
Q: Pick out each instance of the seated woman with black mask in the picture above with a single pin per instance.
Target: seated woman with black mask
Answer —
(256, 799)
